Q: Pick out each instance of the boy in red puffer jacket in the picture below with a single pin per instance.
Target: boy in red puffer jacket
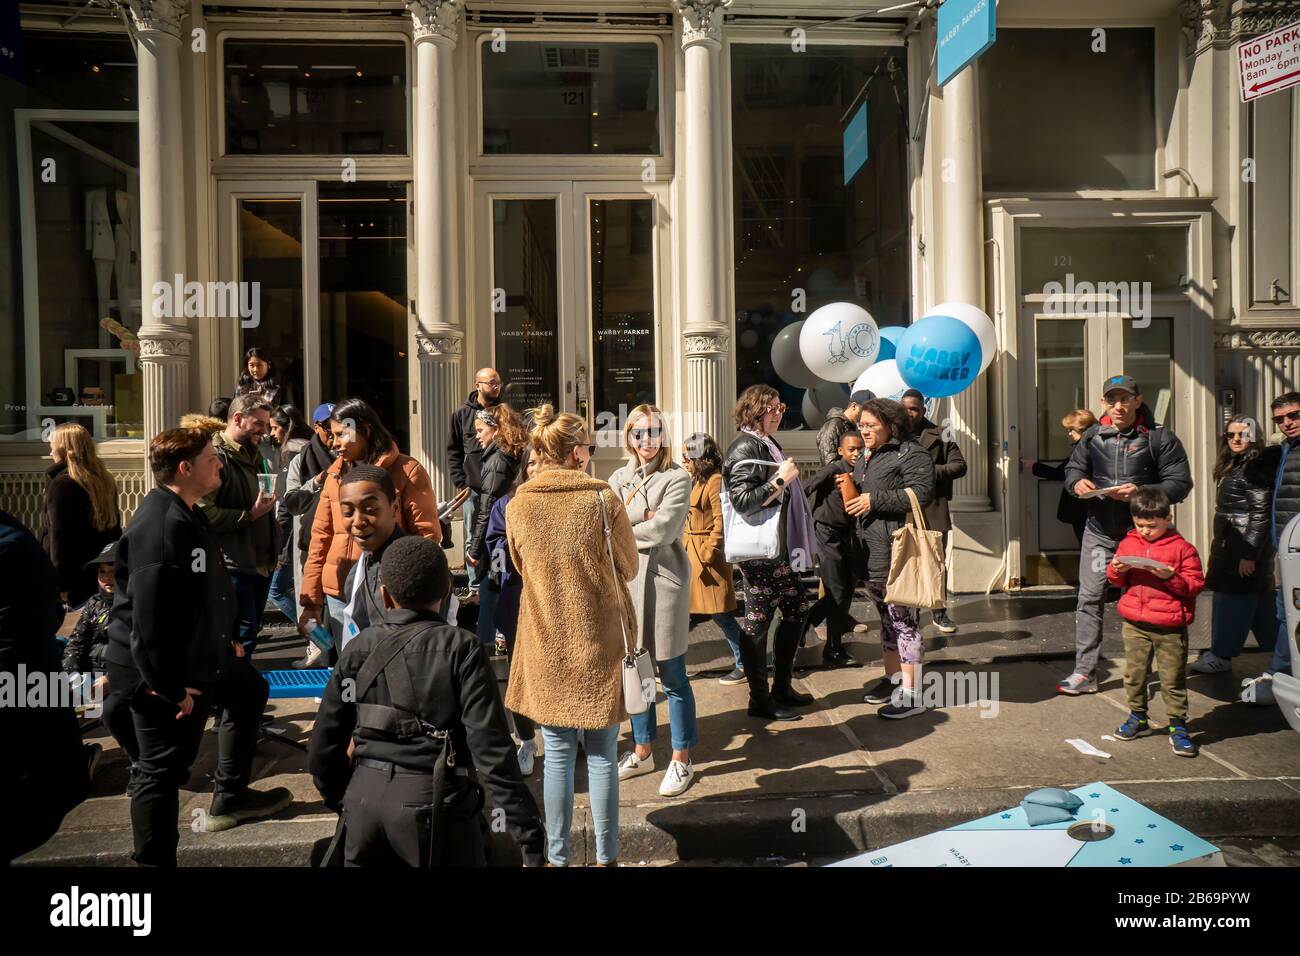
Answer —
(1160, 573)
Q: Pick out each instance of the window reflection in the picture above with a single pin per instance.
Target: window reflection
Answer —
(622, 306)
(798, 225)
(525, 303)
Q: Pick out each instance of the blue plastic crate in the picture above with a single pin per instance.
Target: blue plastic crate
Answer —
(298, 683)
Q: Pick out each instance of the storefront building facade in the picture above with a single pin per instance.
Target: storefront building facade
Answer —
(624, 202)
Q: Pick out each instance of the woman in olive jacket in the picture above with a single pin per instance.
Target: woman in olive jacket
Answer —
(892, 465)
(770, 583)
(1240, 571)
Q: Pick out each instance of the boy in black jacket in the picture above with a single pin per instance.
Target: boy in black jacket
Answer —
(84, 652)
(410, 718)
(837, 548)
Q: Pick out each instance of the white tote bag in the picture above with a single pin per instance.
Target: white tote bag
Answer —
(751, 537)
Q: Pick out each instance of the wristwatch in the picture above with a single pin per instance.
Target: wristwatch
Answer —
(779, 482)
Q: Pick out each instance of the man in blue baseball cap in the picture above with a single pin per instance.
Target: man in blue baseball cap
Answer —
(1124, 451)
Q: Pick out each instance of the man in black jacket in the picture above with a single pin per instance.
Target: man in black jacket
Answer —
(420, 700)
(241, 511)
(172, 654)
(464, 455)
(44, 768)
(949, 465)
(1124, 451)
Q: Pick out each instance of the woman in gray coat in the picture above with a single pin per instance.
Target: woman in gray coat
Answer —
(657, 495)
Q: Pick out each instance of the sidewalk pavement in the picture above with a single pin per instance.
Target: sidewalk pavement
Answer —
(836, 782)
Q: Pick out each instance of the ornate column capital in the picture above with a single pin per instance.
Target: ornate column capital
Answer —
(443, 344)
(710, 342)
(701, 21)
(438, 20)
(163, 344)
(1218, 24)
(157, 16)
(1258, 339)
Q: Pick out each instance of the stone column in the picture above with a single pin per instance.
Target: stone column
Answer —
(962, 244)
(707, 328)
(164, 340)
(439, 335)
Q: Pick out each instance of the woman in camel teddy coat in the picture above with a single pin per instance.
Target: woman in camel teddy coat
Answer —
(573, 614)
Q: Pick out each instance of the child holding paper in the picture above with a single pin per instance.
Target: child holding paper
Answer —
(1160, 573)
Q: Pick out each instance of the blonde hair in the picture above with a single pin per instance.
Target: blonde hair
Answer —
(87, 469)
(204, 423)
(555, 434)
(1080, 419)
(664, 458)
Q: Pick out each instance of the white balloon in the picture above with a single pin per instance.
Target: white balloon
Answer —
(787, 361)
(979, 323)
(839, 341)
(882, 379)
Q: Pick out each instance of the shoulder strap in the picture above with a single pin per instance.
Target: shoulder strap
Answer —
(609, 548)
(918, 516)
(386, 650)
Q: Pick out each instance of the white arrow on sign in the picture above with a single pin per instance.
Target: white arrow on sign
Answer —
(1269, 63)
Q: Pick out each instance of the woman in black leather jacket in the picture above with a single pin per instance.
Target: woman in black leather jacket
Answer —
(502, 436)
(769, 584)
(893, 465)
(1240, 571)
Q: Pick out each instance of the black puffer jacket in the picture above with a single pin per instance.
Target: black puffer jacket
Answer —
(497, 474)
(1286, 498)
(464, 454)
(1146, 454)
(748, 486)
(1241, 517)
(69, 536)
(891, 468)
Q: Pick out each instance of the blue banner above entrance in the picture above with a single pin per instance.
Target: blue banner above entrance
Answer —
(856, 144)
(966, 29)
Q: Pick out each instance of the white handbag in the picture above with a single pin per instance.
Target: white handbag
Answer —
(751, 537)
(637, 669)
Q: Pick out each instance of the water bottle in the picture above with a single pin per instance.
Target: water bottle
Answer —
(319, 635)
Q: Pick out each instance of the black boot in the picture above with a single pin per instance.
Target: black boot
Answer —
(787, 645)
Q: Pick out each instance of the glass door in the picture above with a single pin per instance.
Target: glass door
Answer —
(269, 249)
(568, 292)
(1072, 352)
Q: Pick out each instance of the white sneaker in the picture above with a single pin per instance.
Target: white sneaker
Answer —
(1211, 663)
(527, 752)
(677, 779)
(630, 765)
(1257, 690)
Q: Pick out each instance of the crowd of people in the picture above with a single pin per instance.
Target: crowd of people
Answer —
(578, 583)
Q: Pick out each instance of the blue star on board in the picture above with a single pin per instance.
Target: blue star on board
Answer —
(1006, 816)
(1094, 795)
(1125, 860)
(1176, 847)
(1139, 841)
(1114, 809)
(1151, 826)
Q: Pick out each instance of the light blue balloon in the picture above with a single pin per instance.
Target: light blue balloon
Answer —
(939, 356)
(889, 336)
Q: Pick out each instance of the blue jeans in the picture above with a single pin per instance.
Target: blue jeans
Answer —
(681, 708)
(487, 614)
(250, 597)
(1234, 616)
(561, 746)
(467, 514)
(730, 628)
(1282, 650)
(282, 594)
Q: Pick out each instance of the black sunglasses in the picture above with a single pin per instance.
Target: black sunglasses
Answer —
(1286, 417)
(638, 434)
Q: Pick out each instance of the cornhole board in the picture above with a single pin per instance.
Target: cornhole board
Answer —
(1140, 838)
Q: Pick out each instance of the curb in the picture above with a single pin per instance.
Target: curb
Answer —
(777, 827)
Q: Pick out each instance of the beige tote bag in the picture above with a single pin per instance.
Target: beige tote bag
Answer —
(916, 565)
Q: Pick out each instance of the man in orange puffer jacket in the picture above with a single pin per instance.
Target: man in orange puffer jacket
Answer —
(1160, 573)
